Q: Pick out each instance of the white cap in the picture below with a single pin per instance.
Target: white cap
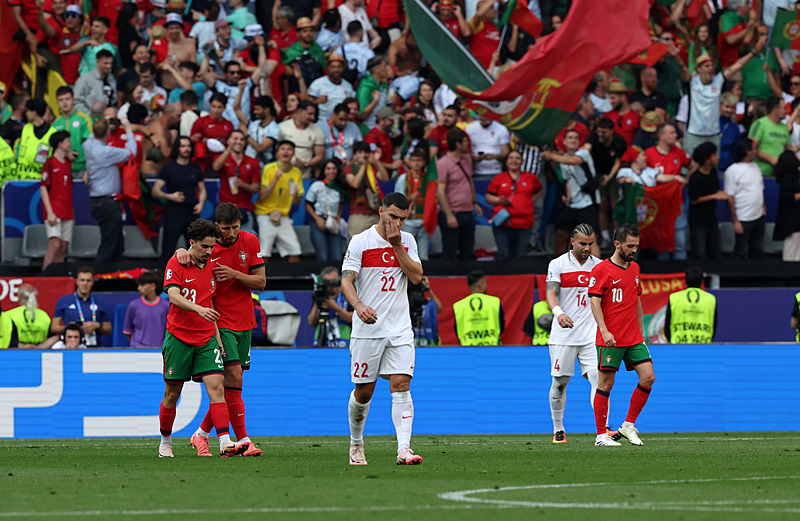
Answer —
(215, 145)
(173, 18)
(253, 30)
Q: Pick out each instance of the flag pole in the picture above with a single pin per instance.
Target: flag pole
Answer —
(502, 37)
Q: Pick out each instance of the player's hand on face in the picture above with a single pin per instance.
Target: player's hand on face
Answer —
(223, 273)
(609, 339)
(366, 313)
(209, 314)
(565, 321)
(393, 232)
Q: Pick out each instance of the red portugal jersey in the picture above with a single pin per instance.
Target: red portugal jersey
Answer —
(249, 171)
(196, 285)
(627, 125)
(620, 289)
(57, 176)
(233, 300)
(667, 164)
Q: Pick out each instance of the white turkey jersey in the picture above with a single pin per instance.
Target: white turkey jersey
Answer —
(573, 299)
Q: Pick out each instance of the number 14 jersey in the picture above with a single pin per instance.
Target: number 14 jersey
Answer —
(381, 283)
(573, 299)
(620, 289)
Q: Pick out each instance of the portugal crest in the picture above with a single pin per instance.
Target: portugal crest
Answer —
(791, 31)
(646, 210)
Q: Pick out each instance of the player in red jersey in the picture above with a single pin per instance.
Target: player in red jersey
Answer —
(192, 347)
(617, 308)
(238, 269)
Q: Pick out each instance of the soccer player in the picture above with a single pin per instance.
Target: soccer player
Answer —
(192, 348)
(615, 292)
(573, 330)
(238, 268)
(382, 259)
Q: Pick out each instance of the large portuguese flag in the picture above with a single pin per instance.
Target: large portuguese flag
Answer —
(786, 31)
(535, 97)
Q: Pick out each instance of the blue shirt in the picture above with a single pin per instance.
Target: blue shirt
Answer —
(328, 39)
(336, 94)
(71, 308)
(101, 165)
(349, 136)
(322, 198)
(729, 135)
(199, 88)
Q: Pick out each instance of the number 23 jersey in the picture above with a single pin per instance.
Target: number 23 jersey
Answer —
(620, 289)
(196, 285)
(381, 283)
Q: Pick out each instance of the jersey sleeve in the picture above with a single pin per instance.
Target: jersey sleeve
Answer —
(638, 281)
(352, 257)
(127, 325)
(172, 275)
(413, 251)
(598, 282)
(61, 306)
(254, 249)
(554, 271)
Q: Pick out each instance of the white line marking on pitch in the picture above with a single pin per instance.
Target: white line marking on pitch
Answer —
(710, 506)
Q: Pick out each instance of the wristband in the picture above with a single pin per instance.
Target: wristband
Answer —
(557, 311)
(357, 303)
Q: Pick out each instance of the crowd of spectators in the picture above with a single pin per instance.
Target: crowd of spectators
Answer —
(340, 94)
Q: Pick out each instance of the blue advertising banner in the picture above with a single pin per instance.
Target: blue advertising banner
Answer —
(460, 390)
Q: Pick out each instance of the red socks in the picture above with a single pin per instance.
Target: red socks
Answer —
(208, 423)
(638, 399)
(601, 410)
(219, 415)
(233, 397)
(166, 417)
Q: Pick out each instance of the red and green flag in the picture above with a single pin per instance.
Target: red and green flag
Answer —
(430, 216)
(520, 15)
(786, 31)
(650, 57)
(654, 210)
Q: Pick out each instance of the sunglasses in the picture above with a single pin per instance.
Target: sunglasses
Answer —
(668, 39)
(71, 15)
(236, 73)
(795, 83)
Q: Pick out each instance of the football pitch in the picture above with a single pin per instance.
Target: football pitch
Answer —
(686, 476)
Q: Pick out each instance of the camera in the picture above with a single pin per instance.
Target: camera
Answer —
(416, 299)
(323, 288)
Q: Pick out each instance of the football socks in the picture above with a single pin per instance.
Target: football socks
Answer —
(403, 418)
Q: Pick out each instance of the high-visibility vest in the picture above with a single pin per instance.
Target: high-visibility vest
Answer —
(32, 152)
(797, 335)
(692, 316)
(540, 336)
(6, 330)
(30, 331)
(8, 162)
(478, 320)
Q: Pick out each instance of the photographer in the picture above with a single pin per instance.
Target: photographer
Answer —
(330, 311)
(424, 313)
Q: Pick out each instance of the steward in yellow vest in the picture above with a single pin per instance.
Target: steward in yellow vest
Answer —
(796, 317)
(541, 336)
(479, 317)
(692, 313)
(8, 333)
(8, 162)
(33, 146)
(32, 324)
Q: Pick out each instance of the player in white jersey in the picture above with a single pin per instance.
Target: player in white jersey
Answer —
(377, 266)
(572, 335)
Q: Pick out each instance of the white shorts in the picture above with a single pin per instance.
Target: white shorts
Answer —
(62, 229)
(282, 236)
(562, 359)
(374, 357)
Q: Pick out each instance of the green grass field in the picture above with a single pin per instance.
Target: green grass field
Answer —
(719, 476)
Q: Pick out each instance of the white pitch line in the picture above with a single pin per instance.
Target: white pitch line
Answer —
(701, 506)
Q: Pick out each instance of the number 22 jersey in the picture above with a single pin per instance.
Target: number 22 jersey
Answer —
(196, 285)
(381, 283)
(620, 289)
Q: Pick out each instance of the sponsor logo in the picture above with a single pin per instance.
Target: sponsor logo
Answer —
(188, 280)
(615, 281)
(215, 260)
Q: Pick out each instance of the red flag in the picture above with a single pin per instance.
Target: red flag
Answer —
(656, 212)
(597, 35)
(650, 57)
(520, 15)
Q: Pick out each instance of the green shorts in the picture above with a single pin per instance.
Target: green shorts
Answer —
(183, 362)
(237, 347)
(609, 358)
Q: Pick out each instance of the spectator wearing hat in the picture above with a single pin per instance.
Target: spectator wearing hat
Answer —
(704, 192)
(328, 91)
(97, 41)
(379, 139)
(305, 54)
(699, 110)
(646, 136)
(306, 137)
(451, 15)
(60, 37)
(175, 7)
(353, 10)
(648, 93)
(240, 17)
(626, 121)
(283, 33)
(729, 131)
(180, 48)
(373, 91)
(222, 49)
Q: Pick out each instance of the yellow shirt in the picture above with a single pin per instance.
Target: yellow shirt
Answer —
(281, 197)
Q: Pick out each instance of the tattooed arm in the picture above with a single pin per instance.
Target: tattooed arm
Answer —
(553, 293)
(364, 312)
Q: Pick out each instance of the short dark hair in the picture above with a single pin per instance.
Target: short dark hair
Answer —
(230, 64)
(626, 230)
(744, 148)
(305, 104)
(703, 152)
(150, 277)
(375, 62)
(103, 20)
(454, 137)
(694, 277)
(353, 28)
(454, 106)
(474, 276)
(341, 107)
(103, 53)
(58, 137)
(72, 326)
(220, 97)
(189, 97)
(200, 229)
(177, 145)
(37, 105)
(415, 128)
(419, 152)
(85, 269)
(397, 199)
(192, 66)
(147, 67)
(361, 146)
(605, 123)
(570, 131)
(137, 113)
(64, 89)
(227, 213)
(284, 142)
(331, 17)
(773, 102)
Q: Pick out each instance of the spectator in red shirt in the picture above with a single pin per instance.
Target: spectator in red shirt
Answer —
(52, 18)
(239, 179)
(26, 14)
(626, 121)
(378, 138)
(737, 27)
(109, 9)
(282, 34)
(56, 190)
(61, 36)
(439, 133)
(389, 13)
(452, 17)
(212, 126)
(485, 35)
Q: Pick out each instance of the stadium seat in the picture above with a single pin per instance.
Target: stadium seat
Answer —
(436, 242)
(85, 242)
(304, 236)
(484, 238)
(771, 246)
(137, 247)
(118, 337)
(726, 236)
(34, 241)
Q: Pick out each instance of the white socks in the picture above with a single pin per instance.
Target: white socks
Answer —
(593, 377)
(224, 440)
(200, 432)
(357, 414)
(166, 440)
(558, 401)
(403, 418)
